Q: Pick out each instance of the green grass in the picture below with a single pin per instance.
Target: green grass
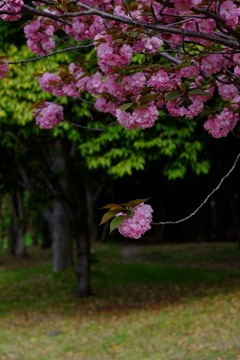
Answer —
(176, 302)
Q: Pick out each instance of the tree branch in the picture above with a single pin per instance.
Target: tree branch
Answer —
(63, 18)
(51, 54)
(163, 28)
(204, 202)
(88, 128)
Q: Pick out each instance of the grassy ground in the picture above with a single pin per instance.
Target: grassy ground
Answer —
(176, 302)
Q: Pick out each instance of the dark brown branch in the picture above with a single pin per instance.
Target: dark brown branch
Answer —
(156, 27)
(204, 202)
(32, 11)
(88, 128)
(125, 20)
(51, 54)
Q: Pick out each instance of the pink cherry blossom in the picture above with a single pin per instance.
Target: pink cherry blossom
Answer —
(202, 25)
(192, 110)
(136, 226)
(153, 44)
(184, 5)
(105, 106)
(39, 34)
(190, 71)
(227, 92)
(161, 81)
(236, 58)
(179, 108)
(51, 83)
(211, 63)
(3, 69)
(235, 103)
(12, 7)
(94, 83)
(48, 115)
(141, 117)
(112, 54)
(86, 27)
(125, 119)
(229, 12)
(219, 125)
(236, 70)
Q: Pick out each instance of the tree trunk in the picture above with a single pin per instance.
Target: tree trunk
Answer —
(92, 196)
(16, 242)
(45, 229)
(80, 223)
(11, 244)
(83, 265)
(62, 247)
(20, 249)
(91, 214)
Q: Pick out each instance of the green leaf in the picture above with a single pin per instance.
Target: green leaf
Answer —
(147, 98)
(199, 92)
(132, 33)
(173, 95)
(116, 222)
(125, 106)
(109, 215)
(183, 87)
(183, 65)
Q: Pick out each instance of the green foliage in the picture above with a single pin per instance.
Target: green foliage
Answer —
(170, 144)
(120, 152)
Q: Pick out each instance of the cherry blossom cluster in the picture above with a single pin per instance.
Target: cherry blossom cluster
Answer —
(135, 226)
(48, 115)
(84, 27)
(11, 7)
(219, 125)
(181, 70)
(40, 35)
(3, 69)
(141, 117)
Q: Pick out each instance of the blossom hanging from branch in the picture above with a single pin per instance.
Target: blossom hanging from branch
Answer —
(132, 219)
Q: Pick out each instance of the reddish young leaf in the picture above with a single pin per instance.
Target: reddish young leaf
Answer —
(109, 215)
(134, 203)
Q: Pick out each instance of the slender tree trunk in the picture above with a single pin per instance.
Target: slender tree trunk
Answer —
(11, 244)
(45, 229)
(91, 214)
(62, 247)
(91, 199)
(20, 249)
(16, 241)
(80, 223)
(61, 213)
(83, 265)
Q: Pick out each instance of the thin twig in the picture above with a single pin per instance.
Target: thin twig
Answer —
(204, 202)
(51, 54)
(88, 128)
(85, 101)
